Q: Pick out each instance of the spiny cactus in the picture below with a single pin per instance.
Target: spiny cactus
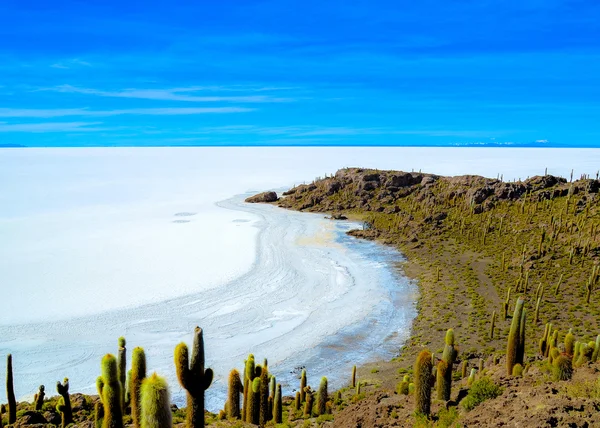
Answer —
(402, 387)
(64, 406)
(596, 352)
(264, 397)
(353, 376)
(98, 414)
(471, 378)
(517, 370)
(443, 386)
(122, 368)
(493, 325)
(308, 405)
(576, 348)
(155, 403)
(586, 351)
(278, 406)
(322, 397)
(303, 386)
(297, 401)
(463, 373)
(10, 391)
(109, 390)
(233, 395)
(569, 343)
(422, 370)
(193, 378)
(562, 368)
(513, 348)
(249, 370)
(254, 402)
(138, 373)
(38, 398)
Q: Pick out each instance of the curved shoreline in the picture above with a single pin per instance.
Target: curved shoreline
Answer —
(291, 307)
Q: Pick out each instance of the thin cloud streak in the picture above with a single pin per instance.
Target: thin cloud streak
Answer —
(52, 127)
(166, 111)
(174, 94)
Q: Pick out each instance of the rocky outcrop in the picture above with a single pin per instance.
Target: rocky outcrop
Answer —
(263, 197)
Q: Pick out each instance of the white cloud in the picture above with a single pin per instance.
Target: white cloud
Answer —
(165, 111)
(51, 127)
(172, 94)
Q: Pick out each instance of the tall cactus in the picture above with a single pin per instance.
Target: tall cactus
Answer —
(444, 368)
(39, 398)
(10, 391)
(253, 414)
(277, 406)
(193, 378)
(303, 386)
(122, 368)
(64, 407)
(569, 342)
(264, 397)
(155, 403)
(109, 389)
(233, 395)
(353, 376)
(248, 378)
(422, 370)
(513, 346)
(322, 397)
(138, 374)
(596, 349)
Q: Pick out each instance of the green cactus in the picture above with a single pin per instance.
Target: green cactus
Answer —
(443, 380)
(278, 406)
(596, 349)
(576, 348)
(562, 368)
(233, 395)
(138, 374)
(264, 397)
(64, 406)
(248, 378)
(353, 376)
(471, 378)
(254, 402)
(358, 385)
(122, 368)
(493, 325)
(569, 343)
(303, 386)
(155, 403)
(38, 398)
(422, 370)
(308, 405)
(297, 401)
(558, 285)
(109, 390)
(513, 347)
(193, 378)
(402, 387)
(10, 391)
(322, 397)
(537, 310)
(585, 354)
(463, 372)
(450, 353)
(98, 414)
(517, 370)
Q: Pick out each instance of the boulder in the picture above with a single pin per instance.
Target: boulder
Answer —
(262, 198)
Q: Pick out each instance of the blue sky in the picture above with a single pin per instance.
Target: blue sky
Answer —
(116, 73)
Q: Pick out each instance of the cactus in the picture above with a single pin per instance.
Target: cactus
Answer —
(322, 397)
(254, 402)
(569, 342)
(98, 414)
(450, 352)
(233, 395)
(264, 397)
(297, 401)
(492, 325)
(353, 376)
(422, 370)
(303, 386)
(463, 373)
(138, 373)
(505, 304)
(537, 310)
(122, 369)
(109, 390)
(64, 407)
(558, 285)
(576, 348)
(308, 405)
(10, 391)
(517, 370)
(38, 398)
(596, 349)
(585, 354)
(443, 380)
(249, 370)
(514, 338)
(358, 385)
(471, 378)
(562, 368)
(277, 406)
(193, 378)
(155, 403)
